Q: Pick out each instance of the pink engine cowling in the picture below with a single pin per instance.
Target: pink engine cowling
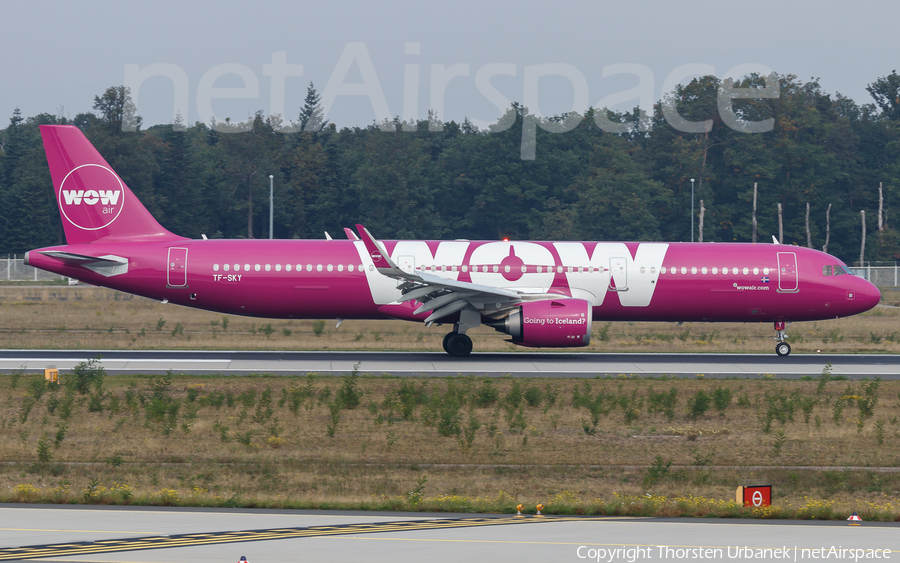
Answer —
(552, 322)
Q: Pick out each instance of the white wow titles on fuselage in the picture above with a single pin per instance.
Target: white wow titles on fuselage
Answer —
(528, 265)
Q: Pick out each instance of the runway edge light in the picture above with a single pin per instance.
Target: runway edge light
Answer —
(539, 508)
(243, 560)
(854, 519)
(519, 508)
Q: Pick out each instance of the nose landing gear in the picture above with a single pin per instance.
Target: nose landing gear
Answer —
(782, 348)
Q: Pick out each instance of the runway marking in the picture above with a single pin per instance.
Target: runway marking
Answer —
(78, 531)
(95, 509)
(184, 540)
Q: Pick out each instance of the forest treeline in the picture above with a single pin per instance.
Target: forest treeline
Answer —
(451, 180)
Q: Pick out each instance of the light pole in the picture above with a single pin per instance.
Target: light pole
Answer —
(692, 209)
(272, 204)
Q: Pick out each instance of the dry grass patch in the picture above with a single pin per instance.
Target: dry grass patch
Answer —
(461, 443)
(99, 318)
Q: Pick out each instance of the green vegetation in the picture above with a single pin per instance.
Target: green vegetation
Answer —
(461, 182)
(604, 446)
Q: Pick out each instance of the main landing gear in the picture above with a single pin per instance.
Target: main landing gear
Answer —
(457, 344)
(782, 348)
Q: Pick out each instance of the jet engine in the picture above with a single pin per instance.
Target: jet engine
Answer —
(552, 322)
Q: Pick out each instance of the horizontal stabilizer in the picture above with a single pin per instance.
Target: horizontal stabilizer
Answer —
(104, 265)
(77, 259)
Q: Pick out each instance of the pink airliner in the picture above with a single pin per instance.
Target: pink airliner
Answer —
(539, 293)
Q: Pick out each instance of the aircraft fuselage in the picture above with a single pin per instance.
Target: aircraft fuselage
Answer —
(622, 281)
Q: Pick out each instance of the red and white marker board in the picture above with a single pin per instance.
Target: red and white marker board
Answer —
(754, 496)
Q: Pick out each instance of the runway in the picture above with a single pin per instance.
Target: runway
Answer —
(441, 365)
(163, 535)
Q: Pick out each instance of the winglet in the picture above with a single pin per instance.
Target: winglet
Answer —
(350, 234)
(774, 240)
(379, 255)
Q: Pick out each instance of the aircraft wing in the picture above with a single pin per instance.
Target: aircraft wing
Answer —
(439, 295)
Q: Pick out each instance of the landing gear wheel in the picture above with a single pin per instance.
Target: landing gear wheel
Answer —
(446, 339)
(782, 348)
(457, 344)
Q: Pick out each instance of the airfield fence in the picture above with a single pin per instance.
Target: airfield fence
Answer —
(881, 274)
(16, 270)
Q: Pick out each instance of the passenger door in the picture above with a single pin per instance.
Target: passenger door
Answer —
(788, 278)
(177, 267)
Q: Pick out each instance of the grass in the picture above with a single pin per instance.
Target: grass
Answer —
(608, 446)
(455, 444)
(84, 317)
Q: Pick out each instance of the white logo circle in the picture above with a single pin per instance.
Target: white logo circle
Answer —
(77, 214)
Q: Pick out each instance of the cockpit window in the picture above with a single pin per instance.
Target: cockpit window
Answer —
(834, 270)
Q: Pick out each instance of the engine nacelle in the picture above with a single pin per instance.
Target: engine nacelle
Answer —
(560, 322)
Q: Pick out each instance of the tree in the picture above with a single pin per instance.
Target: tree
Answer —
(312, 117)
(461, 182)
(395, 187)
(618, 201)
(175, 181)
(886, 93)
(117, 110)
(253, 150)
(558, 222)
(28, 214)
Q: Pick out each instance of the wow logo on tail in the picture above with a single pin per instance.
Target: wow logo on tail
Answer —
(93, 201)
(91, 197)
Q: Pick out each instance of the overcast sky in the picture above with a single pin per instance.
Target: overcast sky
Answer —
(395, 58)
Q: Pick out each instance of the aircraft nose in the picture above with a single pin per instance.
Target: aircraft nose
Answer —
(868, 296)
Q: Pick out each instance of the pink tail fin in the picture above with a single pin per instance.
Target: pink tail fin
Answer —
(94, 203)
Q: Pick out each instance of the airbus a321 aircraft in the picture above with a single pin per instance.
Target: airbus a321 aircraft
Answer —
(539, 293)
